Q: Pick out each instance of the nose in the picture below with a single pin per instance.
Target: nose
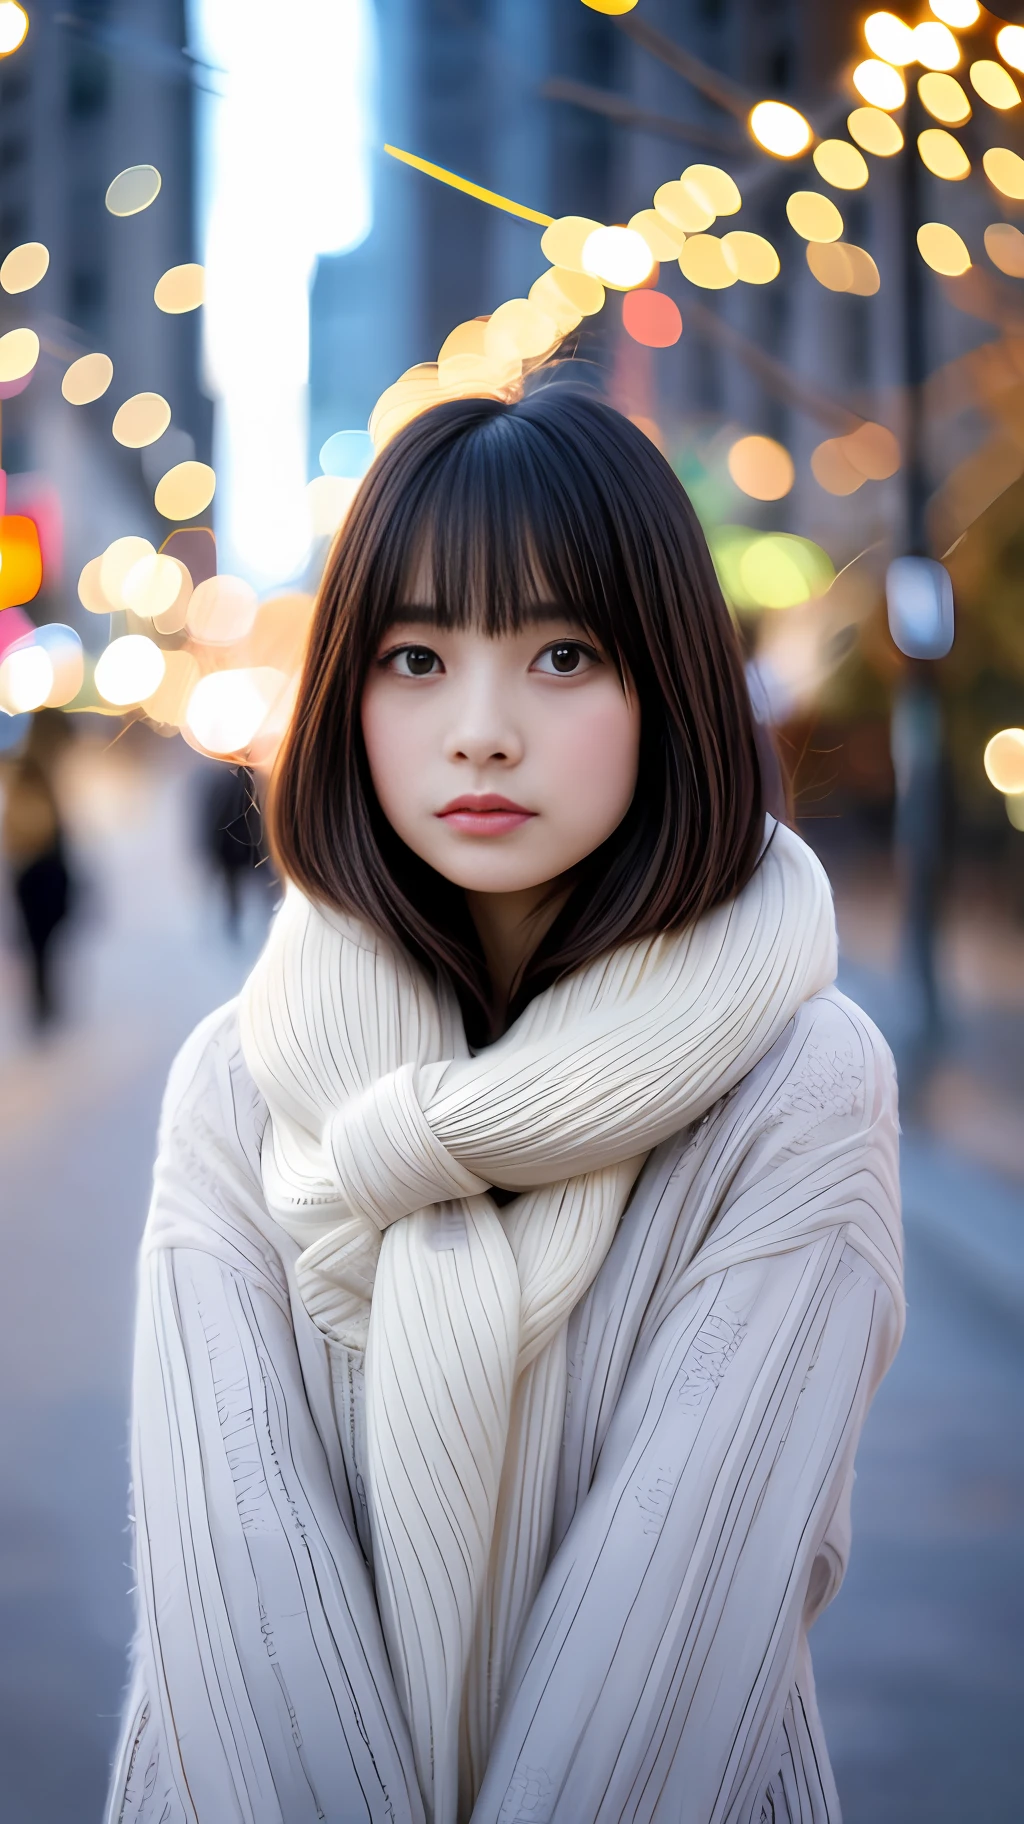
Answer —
(483, 730)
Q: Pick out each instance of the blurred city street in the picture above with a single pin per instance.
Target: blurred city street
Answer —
(918, 1662)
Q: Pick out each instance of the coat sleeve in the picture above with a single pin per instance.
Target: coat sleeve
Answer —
(260, 1686)
(667, 1649)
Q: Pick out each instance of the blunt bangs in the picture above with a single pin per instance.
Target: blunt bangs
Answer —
(485, 512)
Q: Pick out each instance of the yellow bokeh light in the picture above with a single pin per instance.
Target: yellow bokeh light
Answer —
(683, 208)
(221, 611)
(19, 352)
(773, 571)
(761, 467)
(1014, 802)
(329, 497)
(90, 589)
(780, 129)
(935, 46)
(567, 296)
(1010, 45)
(24, 266)
(152, 585)
(181, 288)
(619, 257)
(841, 266)
(942, 249)
(129, 670)
(227, 709)
(753, 258)
(117, 561)
(832, 468)
(1004, 760)
(994, 84)
(1003, 168)
(133, 190)
(413, 392)
(814, 216)
(87, 379)
(521, 327)
(614, 7)
(840, 164)
(26, 679)
(879, 84)
(875, 131)
(563, 242)
(890, 38)
(960, 13)
(943, 155)
(169, 701)
(13, 26)
(713, 187)
(873, 451)
(944, 98)
(185, 490)
(1004, 245)
(141, 420)
(662, 236)
(704, 261)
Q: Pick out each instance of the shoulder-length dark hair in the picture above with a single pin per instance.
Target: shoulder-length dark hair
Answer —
(556, 497)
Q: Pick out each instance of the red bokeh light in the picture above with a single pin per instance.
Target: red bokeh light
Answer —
(651, 318)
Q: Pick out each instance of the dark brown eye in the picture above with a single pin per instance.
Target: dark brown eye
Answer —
(565, 656)
(414, 661)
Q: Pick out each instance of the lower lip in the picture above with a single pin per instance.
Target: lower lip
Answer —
(485, 823)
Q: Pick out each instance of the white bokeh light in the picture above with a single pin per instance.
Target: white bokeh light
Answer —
(285, 178)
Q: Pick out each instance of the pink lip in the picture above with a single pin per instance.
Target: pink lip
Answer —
(485, 814)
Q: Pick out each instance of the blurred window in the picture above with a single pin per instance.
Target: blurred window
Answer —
(13, 152)
(88, 90)
(87, 294)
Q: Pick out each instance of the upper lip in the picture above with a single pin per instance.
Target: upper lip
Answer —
(484, 801)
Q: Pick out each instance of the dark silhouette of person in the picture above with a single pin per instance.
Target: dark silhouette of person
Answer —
(32, 839)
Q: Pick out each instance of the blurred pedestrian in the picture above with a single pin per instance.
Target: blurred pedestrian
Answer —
(232, 835)
(33, 844)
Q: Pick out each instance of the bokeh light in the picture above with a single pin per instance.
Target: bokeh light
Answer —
(19, 352)
(873, 451)
(943, 155)
(133, 190)
(141, 420)
(769, 570)
(713, 187)
(566, 297)
(169, 701)
(944, 98)
(879, 84)
(875, 131)
(683, 207)
(832, 468)
(1010, 45)
(221, 611)
(994, 84)
(935, 46)
(347, 453)
(842, 266)
(619, 257)
(840, 164)
(564, 241)
(960, 13)
(780, 129)
(185, 490)
(761, 467)
(63, 648)
(227, 709)
(1004, 245)
(753, 259)
(171, 619)
(814, 216)
(1004, 760)
(704, 261)
(652, 318)
(152, 586)
(13, 26)
(128, 670)
(1014, 802)
(942, 249)
(21, 571)
(90, 588)
(24, 266)
(180, 289)
(613, 7)
(119, 558)
(663, 237)
(1003, 168)
(523, 329)
(26, 679)
(329, 497)
(87, 379)
(890, 38)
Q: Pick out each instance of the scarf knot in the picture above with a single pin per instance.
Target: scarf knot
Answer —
(387, 1160)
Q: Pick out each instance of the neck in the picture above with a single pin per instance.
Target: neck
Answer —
(510, 926)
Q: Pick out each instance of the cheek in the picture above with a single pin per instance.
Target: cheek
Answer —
(595, 757)
(393, 745)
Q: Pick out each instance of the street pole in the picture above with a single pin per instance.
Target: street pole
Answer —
(916, 728)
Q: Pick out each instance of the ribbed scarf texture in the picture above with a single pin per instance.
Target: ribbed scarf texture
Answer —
(384, 1137)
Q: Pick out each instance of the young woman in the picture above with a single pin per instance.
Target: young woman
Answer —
(524, 1248)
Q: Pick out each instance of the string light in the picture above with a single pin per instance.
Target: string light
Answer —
(713, 187)
(683, 207)
(24, 266)
(1004, 245)
(619, 257)
(185, 490)
(1003, 168)
(1010, 45)
(1004, 760)
(141, 420)
(87, 379)
(841, 266)
(180, 289)
(133, 190)
(890, 38)
(935, 46)
(840, 164)
(960, 13)
(19, 352)
(13, 26)
(662, 236)
(780, 129)
(814, 216)
(943, 155)
(942, 249)
(562, 243)
(880, 84)
(875, 131)
(761, 467)
(944, 98)
(705, 262)
(752, 258)
(129, 670)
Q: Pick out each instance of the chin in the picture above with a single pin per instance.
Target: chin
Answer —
(488, 874)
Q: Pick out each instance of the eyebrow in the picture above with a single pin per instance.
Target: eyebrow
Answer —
(421, 614)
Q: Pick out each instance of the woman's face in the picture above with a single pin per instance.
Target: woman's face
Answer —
(501, 761)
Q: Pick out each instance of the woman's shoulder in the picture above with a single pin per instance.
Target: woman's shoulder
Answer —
(210, 1091)
(829, 1077)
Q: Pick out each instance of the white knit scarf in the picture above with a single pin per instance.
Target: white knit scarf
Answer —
(383, 1139)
